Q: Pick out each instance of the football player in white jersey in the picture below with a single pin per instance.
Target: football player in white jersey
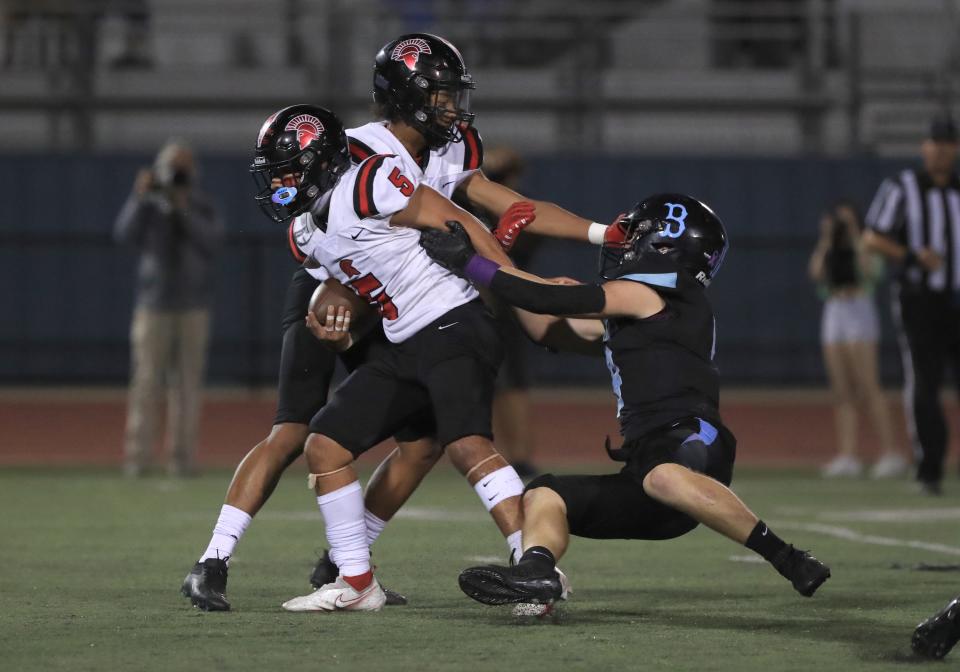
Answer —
(444, 342)
(449, 156)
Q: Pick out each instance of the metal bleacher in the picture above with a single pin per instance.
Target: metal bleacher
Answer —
(691, 77)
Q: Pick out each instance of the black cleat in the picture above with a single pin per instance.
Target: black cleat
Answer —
(394, 599)
(493, 584)
(937, 635)
(206, 585)
(327, 572)
(804, 571)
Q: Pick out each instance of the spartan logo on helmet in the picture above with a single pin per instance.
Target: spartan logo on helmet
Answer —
(307, 127)
(409, 51)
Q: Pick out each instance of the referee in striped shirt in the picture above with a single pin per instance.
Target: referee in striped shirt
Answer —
(914, 220)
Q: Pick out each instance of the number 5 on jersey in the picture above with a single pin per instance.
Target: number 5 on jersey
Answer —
(401, 182)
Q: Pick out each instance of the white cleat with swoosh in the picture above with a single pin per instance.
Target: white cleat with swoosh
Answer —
(340, 596)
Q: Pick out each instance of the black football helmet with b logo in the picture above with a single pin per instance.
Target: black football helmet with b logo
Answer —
(422, 79)
(677, 226)
(300, 155)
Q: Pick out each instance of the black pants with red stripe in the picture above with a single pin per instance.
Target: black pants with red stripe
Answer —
(929, 324)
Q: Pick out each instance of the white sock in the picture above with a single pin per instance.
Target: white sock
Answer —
(342, 512)
(375, 526)
(515, 542)
(230, 526)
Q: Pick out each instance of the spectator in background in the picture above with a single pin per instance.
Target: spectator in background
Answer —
(136, 34)
(915, 221)
(850, 332)
(511, 403)
(176, 232)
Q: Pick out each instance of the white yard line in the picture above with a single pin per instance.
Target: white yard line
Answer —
(895, 515)
(847, 534)
(487, 559)
(749, 559)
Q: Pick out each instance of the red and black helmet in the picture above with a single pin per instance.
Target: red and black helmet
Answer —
(411, 73)
(301, 153)
(673, 225)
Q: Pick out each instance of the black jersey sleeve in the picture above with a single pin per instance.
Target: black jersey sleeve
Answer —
(548, 299)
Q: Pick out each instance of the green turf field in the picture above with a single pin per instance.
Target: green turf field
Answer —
(91, 567)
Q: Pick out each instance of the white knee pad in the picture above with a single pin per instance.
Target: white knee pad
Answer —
(498, 486)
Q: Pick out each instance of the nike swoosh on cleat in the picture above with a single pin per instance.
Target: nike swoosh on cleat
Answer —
(340, 604)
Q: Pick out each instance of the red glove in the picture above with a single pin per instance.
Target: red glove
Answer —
(517, 217)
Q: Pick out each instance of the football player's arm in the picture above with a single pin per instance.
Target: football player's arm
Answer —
(619, 298)
(429, 209)
(551, 219)
(568, 334)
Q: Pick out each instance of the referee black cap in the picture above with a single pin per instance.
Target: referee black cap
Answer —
(943, 128)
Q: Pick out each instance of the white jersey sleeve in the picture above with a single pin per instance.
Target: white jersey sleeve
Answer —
(299, 235)
(452, 165)
(383, 187)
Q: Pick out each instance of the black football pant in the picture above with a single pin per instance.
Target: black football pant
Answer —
(929, 326)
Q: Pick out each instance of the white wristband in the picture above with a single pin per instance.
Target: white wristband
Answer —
(596, 232)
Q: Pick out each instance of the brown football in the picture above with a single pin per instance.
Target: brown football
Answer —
(332, 293)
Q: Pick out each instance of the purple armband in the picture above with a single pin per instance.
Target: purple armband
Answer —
(481, 270)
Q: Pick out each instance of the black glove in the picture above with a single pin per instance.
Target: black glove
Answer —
(451, 250)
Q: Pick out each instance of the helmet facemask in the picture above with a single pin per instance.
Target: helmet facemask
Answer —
(443, 110)
(422, 80)
(626, 240)
(288, 187)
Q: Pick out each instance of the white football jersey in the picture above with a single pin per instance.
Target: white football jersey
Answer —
(442, 169)
(445, 170)
(384, 264)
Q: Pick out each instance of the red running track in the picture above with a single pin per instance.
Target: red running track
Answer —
(71, 426)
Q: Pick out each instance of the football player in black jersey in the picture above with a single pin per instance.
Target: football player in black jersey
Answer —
(659, 336)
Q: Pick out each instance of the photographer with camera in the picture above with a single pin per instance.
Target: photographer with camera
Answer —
(176, 231)
(846, 273)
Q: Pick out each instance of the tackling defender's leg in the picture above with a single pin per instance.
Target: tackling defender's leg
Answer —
(653, 497)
